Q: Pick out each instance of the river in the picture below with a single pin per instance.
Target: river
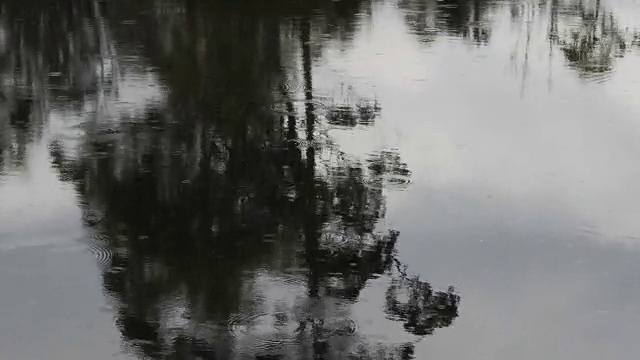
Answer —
(352, 179)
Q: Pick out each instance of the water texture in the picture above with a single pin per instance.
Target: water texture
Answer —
(351, 179)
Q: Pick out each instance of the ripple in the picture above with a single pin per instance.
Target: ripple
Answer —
(398, 181)
(589, 231)
(292, 278)
(289, 88)
(261, 332)
(269, 238)
(282, 108)
(330, 327)
(595, 75)
(374, 184)
(388, 166)
(334, 239)
(342, 115)
(296, 142)
(344, 326)
(317, 102)
(116, 269)
(102, 253)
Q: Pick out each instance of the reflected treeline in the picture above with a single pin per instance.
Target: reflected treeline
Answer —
(589, 36)
(52, 53)
(227, 225)
(18, 128)
(429, 19)
(592, 46)
(56, 46)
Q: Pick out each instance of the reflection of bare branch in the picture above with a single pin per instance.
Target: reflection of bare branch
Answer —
(421, 309)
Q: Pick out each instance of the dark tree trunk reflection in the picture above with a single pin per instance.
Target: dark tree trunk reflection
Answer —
(205, 197)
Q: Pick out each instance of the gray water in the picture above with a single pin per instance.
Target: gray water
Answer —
(412, 179)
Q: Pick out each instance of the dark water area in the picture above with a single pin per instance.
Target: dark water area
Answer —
(408, 179)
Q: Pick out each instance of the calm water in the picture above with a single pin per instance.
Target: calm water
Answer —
(387, 179)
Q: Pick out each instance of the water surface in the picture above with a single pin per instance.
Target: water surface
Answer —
(184, 179)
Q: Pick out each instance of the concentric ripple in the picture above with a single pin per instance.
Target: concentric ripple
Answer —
(99, 247)
(102, 254)
(398, 182)
(261, 333)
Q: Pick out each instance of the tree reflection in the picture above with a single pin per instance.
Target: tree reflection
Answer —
(347, 114)
(52, 53)
(54, 46)
(592, 47)
(421, 310)
(461, 18)
(17, 130)
(210, 200)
